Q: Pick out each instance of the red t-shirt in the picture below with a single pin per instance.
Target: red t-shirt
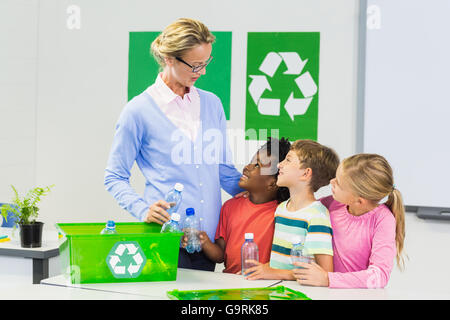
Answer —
(239, 216)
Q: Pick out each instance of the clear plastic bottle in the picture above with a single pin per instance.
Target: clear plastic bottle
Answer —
(249, 251)
(174, 197)
(110, 228)
(172, 225)
(191, 230)
(298, 253)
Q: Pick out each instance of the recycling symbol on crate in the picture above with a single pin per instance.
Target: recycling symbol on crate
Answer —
(295, 66)
(126, 259)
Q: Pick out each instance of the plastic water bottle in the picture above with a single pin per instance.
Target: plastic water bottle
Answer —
(110, 228)
(174, 197)
(298, 253)
(172, 225)
(191, 230)
(249, 251)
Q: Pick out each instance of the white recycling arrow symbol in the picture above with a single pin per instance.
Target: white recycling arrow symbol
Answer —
(126, 259)
(113, 261)
(295, 65)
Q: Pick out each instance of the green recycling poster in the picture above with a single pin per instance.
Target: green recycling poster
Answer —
(282, 79)
(282, 83)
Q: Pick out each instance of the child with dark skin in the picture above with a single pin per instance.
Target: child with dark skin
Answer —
(259, 179)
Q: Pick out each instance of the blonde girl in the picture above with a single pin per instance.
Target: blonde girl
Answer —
(367, 234)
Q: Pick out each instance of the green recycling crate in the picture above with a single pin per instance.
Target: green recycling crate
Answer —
(137, 253)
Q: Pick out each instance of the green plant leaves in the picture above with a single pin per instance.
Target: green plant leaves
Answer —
(26, 209)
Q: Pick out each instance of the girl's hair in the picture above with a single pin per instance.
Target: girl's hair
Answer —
(179, 37)
(370, 177)
(283, 149)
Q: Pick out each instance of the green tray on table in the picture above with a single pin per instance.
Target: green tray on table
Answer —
(274, 293)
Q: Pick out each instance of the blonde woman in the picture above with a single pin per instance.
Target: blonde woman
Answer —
(167, 130)
(367, 235)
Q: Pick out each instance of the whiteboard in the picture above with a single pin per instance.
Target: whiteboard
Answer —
(405, 95)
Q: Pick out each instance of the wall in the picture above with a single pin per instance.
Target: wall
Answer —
(426, 273)
(18, 93)
(83, 84)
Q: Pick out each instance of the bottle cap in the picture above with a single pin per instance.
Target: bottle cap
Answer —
(175, 217)
(179, 187)
(248, 236)
(190, 211)
(110, 224)
(297, 240)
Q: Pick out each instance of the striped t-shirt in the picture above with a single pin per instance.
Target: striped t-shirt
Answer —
(311, 223)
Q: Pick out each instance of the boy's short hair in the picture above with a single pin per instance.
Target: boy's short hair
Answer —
(322, 160)
(282, 147)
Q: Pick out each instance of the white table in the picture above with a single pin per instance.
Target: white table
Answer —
(418, 293)
(323, 293)
(186, 280)
(14, 291)
(39, 256)
(204, 280)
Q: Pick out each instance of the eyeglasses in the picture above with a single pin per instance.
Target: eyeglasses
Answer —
(195, 69)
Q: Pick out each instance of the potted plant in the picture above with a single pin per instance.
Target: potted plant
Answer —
(25, 212)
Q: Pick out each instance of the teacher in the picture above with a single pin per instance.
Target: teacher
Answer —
(176, 133)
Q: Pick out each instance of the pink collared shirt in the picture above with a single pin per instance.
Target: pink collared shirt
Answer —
(183, 112)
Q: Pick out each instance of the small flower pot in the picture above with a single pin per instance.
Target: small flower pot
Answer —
(31, 235)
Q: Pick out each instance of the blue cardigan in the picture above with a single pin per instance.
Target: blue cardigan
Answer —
(166, 156)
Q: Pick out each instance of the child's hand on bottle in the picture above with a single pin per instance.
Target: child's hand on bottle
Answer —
(259, 271)
(202, 235)
(204, 239)
(310, 274)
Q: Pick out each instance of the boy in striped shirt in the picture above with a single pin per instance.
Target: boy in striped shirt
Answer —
(307, 167)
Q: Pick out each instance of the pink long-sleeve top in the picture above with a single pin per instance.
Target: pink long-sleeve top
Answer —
(364, 246)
